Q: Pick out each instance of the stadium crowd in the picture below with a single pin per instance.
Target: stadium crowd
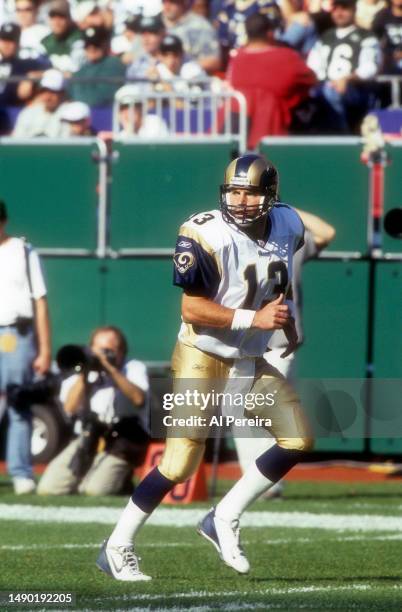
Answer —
(303, 66)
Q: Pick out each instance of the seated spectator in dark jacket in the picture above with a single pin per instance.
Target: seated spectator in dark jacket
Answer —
(152, 31)
(387, 26)
(273, 78)
(345, 59)
(99, 65)
(11, 65)
(64, 44)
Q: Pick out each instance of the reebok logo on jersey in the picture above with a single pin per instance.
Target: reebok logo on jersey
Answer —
(184, 261)
(184, 244)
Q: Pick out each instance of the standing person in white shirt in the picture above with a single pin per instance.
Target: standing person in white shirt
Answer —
(24, 343)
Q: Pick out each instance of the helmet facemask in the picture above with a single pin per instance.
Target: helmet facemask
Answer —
(255, 175)
(244, 215)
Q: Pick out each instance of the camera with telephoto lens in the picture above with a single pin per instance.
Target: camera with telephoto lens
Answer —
(21, 397)
(81, 358)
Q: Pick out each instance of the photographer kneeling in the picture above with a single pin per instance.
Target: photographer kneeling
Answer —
(109, 397)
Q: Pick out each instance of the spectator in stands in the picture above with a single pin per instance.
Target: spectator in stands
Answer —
(127, 45)
(345, 59)
(366, 10)
(231, 22)
(32, 32)
(7, 11)
(11, 65)
(118, 406)
(200, 7)
(64, 44)
(99, 65)
(387, 26)
(43, 116)
(77, 115)
(273, 78)
(199, 37)
(126, 9)
(298, 28)
(172, 65)
(91, 14)
(133, 117)
(152, 31)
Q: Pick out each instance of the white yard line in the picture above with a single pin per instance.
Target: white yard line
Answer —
(210, 594)
(270, 542)
(186, 517)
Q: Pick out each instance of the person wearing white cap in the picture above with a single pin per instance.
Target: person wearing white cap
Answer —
(43, 116)
(92, 14)
(77, 115)
(132, 118)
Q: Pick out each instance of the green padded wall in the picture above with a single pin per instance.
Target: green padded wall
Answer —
(156, 187)
(76, 297)
(335, 320)
(329, 181)
(335, 325)
(393, 193)
(141, 299)
(134, 294)
(388, 357)
(50, 192)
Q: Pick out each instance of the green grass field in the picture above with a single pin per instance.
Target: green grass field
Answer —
(323, 547)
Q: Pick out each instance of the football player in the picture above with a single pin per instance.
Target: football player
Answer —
(235, 267)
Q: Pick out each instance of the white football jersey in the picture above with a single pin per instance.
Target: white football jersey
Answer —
(216, 260)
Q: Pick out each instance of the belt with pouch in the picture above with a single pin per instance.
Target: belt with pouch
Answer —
(22, 324)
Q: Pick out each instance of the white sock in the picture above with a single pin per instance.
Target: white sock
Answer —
(246, 490)
(129, 523)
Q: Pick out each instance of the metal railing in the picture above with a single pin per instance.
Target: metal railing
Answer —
(193, 113)
(395, 82)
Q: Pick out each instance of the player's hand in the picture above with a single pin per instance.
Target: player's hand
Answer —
(291, 336)
(274, 315)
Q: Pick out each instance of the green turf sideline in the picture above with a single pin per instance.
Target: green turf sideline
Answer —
(180, 517)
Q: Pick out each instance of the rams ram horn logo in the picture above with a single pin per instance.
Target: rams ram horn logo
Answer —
(183, 261)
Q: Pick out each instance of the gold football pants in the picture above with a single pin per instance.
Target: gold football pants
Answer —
(183, 455)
